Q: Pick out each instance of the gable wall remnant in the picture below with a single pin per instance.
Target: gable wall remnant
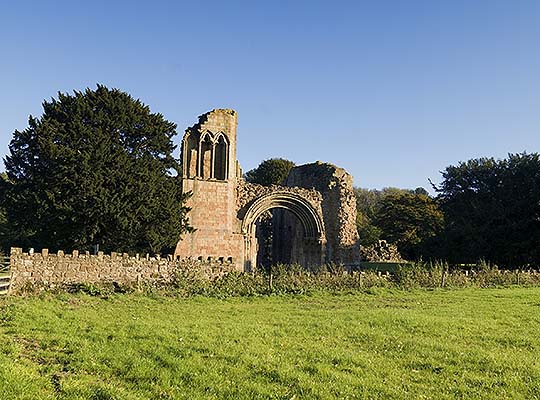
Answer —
(338, 207)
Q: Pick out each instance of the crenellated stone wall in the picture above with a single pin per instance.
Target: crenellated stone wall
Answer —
(44, 269)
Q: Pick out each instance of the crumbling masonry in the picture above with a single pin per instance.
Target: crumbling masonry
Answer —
(311, 218)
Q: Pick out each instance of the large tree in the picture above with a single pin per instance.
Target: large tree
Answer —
(95, 169)
(492, 209)
(409, 220)
(5, 231)
(367, 205)
(270, 172)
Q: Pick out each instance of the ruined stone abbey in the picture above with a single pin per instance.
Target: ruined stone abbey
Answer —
(310, 220)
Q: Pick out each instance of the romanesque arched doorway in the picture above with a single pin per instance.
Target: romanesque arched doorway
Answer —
(309, 249)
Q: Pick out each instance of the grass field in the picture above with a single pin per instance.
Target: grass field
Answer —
(378, 344)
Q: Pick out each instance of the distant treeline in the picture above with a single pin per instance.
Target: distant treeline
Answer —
(484, 209)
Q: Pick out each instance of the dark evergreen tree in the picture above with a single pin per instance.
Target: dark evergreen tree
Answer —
(5, 238)
(273, 171)
(95, 168)
(492, 210)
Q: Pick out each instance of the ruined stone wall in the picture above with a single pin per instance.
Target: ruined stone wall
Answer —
(301, 241)
(51, 270)
(225, 209)
(382, 251)
(338, 207)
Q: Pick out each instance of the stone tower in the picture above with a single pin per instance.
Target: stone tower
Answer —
(210, 172)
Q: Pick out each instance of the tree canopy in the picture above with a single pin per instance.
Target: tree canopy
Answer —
(273, 171)
(367, 207)
(492, 209)
(407, 218)
(95, 169)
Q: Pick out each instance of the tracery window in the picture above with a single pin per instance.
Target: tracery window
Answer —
(206, 156)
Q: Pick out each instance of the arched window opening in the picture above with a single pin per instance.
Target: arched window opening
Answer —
(206, 158)
(190, 156)
(220, 164)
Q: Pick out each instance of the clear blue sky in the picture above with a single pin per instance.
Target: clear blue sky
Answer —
(393, 91)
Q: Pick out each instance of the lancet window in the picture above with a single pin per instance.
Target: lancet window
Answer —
(206, 156)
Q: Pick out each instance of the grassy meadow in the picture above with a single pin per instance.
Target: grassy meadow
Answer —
(374, 344)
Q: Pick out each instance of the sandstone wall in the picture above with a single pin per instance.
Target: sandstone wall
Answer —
(226, 121)
(213, 215)
(224, 208)
(382, 251)
(298, 235)
(213, 201)
(50, 270)
(338, 207)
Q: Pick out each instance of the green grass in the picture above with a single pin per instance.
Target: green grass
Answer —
(386, 344)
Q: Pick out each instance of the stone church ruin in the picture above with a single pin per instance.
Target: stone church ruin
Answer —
(309, 220)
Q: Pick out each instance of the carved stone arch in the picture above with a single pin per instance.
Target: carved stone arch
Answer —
(219, 135)
(306, 213)
(312, 222)
(206, 135)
